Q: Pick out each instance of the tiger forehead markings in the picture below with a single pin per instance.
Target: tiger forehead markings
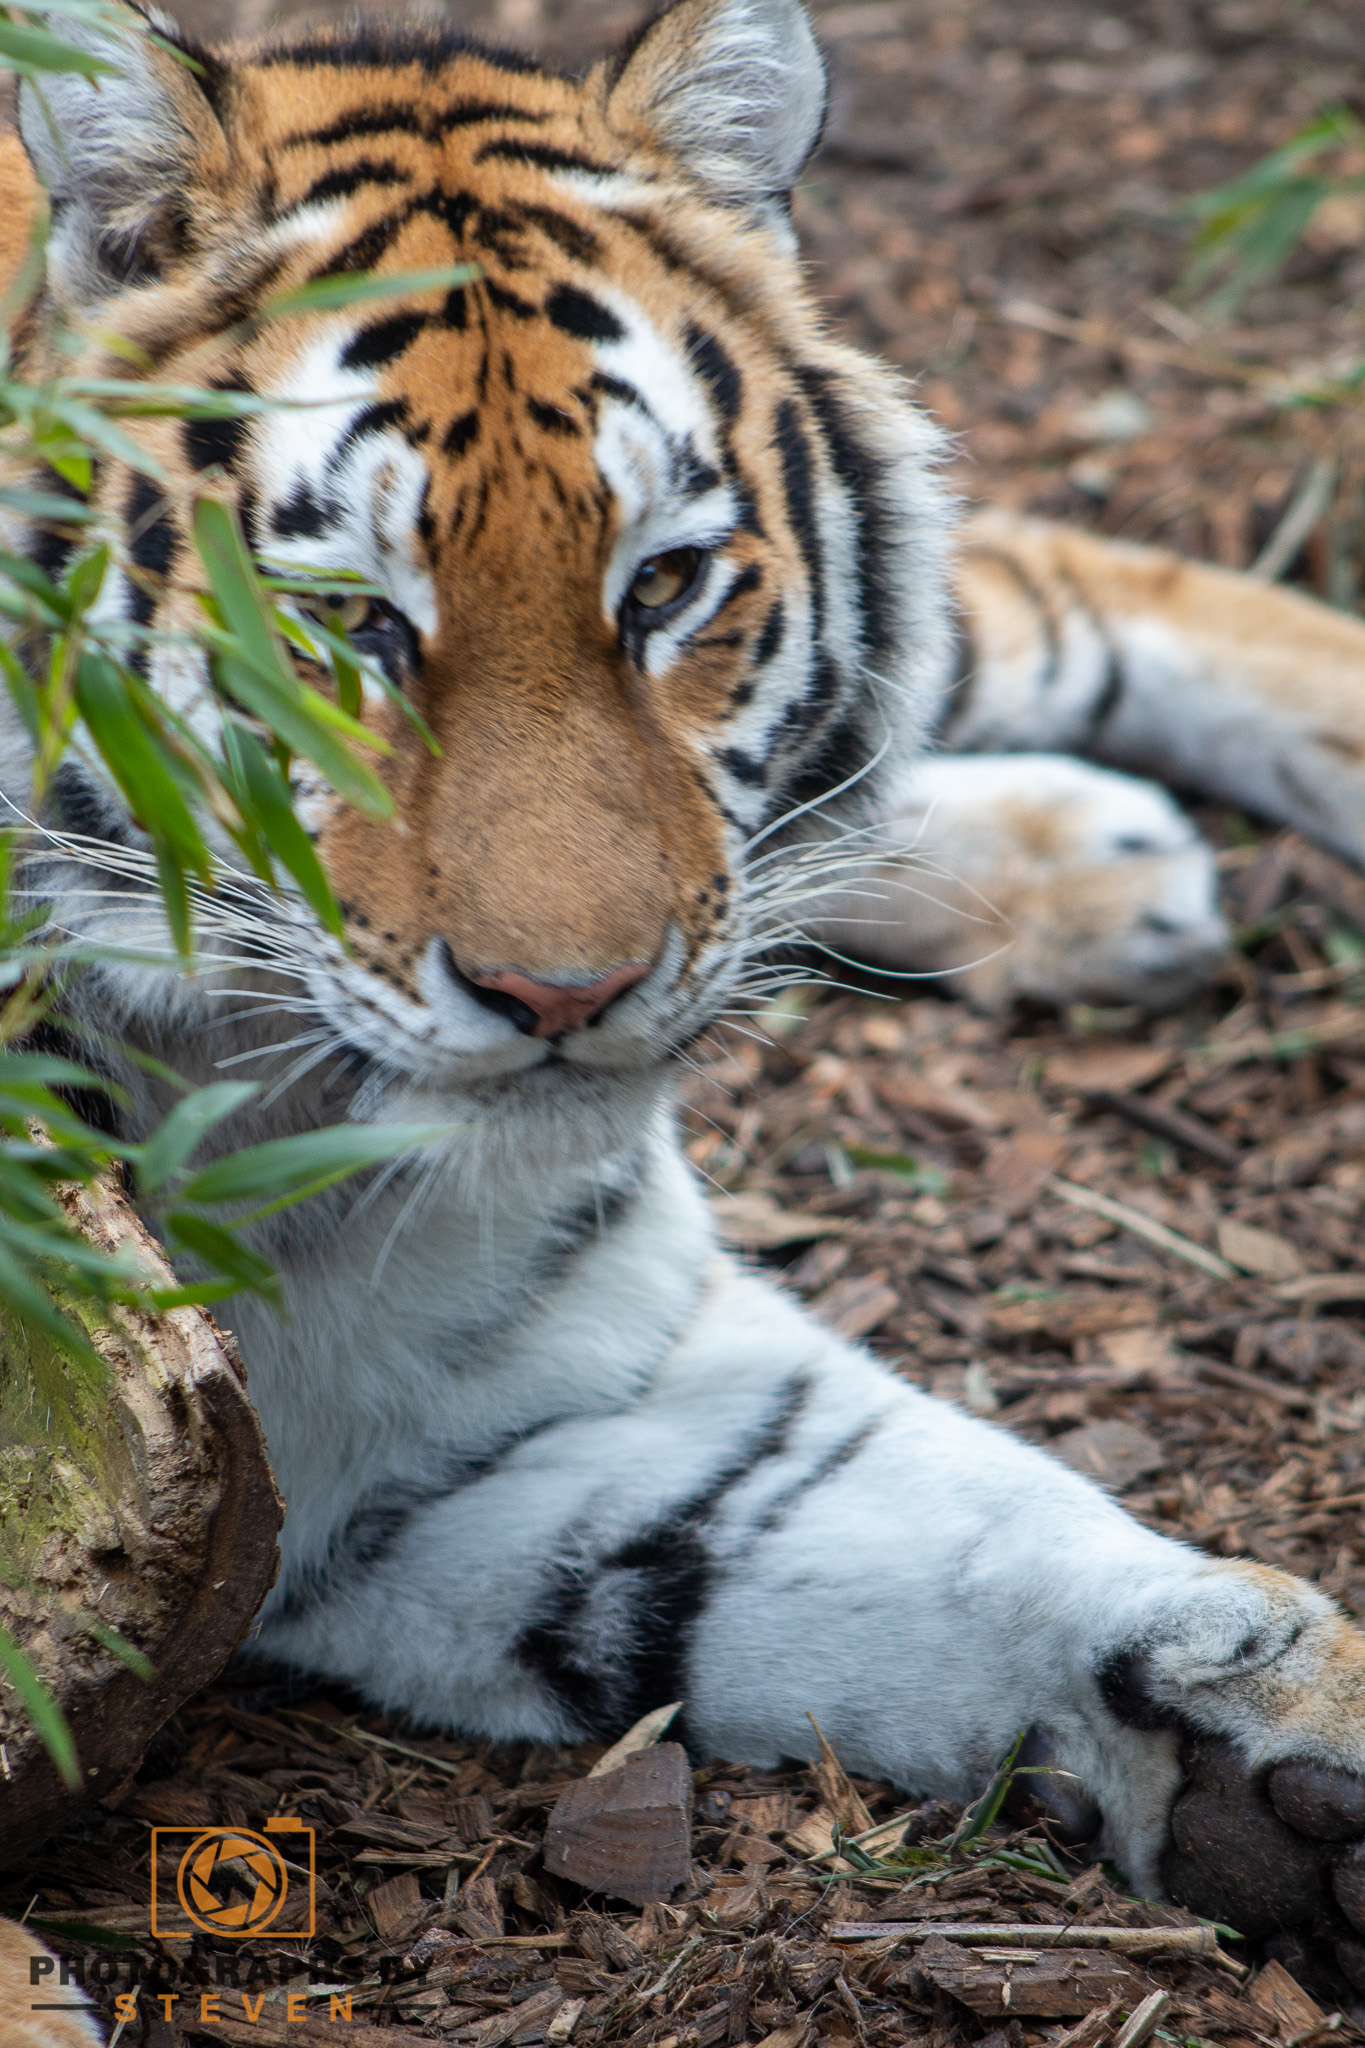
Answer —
(632, 386)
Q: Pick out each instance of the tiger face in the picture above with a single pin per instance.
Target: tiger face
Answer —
(661, 564)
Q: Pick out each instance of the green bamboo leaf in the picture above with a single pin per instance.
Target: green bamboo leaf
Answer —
(266, 796)
(136, 763)
(176, 1136)
(291, 1166)
(255, 672)
(86, 424)
(26, 49)
(331, 294)
(118, 1646)
(223, 1252)
(46, 1716)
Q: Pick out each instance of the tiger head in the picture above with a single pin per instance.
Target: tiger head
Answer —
(662, 564)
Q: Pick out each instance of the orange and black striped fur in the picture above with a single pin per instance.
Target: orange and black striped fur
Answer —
(666, 572)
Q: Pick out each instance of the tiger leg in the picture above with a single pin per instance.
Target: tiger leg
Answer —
(767, 1524)
(1207, 680)
(1034, 875)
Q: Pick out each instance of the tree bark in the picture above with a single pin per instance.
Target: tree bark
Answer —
(140, 1497)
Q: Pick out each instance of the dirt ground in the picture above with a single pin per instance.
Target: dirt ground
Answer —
(1138, 1243)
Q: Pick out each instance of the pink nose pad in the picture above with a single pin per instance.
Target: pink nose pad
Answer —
(558, 1008)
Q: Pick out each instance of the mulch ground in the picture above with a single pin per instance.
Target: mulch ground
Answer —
(1136, 1243)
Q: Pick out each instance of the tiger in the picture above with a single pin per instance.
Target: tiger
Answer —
(669, 574)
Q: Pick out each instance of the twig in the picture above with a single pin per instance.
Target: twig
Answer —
(1202, 362)
(1302, 514)
(367, 1740)
(1164, 1122)
(1142, 1226)
(1127, 1941)
(1322, 1287)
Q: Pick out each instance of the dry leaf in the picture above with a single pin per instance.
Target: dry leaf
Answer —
(754, 1222)
(1119, 1068)
(643, 1735)
(1261, 1252)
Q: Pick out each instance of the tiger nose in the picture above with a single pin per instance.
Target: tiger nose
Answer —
(544, 1009)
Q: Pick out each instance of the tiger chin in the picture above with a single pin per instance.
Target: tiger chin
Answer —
(667, 573)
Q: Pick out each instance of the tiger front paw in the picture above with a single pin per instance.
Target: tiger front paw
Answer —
(1279, 1854)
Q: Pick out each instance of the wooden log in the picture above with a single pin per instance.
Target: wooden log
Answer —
(629, 1833)
(140, 1498)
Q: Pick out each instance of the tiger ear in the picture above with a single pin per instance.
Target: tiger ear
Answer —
(119, 151)
(735, 88)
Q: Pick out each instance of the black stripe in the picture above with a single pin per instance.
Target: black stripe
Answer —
(153, 544)
(1037, 597)
(679, 1571)
(581, 315)
(566, 234)
(383, 45)
(744, 768)
(373, 346)
(841, 753)
(720, 371)
(770, 639)
(749, 578)
(626, 394)
(375, 419)
(395, 117)
(303, 515)
(348, 178)
(552, 419)
(89, 812)
(48, 550)
(508, 302)
(833, 1461)
(862, 475)
(956, 701)
(542, 155)
(798, 487)
(216, 443)
(461, 433)
(674, 1573)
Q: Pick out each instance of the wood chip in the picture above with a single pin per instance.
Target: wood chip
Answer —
(1142, 2023)
(842, 1798)
(1115, 1453)
(1283, 2003)
(395, 1905)
(629, 1834)
(853, 1308)
(1065, 1317)
(1058, 1985)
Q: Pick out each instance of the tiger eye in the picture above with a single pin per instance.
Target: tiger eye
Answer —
(664, 578)
(350, 613)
